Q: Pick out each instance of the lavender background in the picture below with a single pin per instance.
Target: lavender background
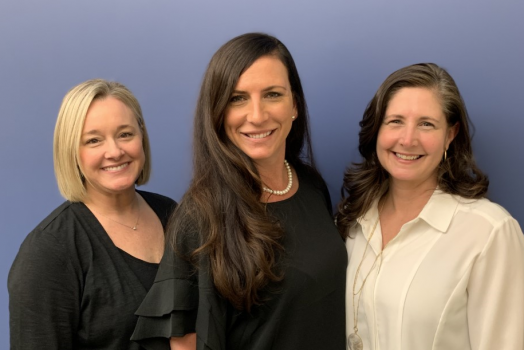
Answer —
(160, 49)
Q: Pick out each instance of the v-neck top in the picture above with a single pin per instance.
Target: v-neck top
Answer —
(143, 270)
(71, 288)
(452, 279)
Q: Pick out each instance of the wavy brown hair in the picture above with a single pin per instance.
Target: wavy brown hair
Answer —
(241, 239)
(458, 174)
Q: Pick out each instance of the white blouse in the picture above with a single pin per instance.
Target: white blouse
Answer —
(452, 279)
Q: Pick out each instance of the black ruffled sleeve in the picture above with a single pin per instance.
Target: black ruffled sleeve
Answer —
(182, 300)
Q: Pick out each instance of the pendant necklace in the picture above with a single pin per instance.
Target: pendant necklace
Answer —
(354, 339)
(134, 228)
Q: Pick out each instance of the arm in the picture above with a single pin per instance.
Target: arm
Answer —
(187, 342)
(171, 305)
(496, 291)
(43, 297)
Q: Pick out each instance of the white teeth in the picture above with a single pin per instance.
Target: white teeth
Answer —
(402, 156)
(259, 136)
(115, 168)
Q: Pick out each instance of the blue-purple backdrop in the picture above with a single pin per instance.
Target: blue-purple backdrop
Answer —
(160, 49)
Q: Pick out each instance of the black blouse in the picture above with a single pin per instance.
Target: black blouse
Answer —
(307, 312)
(71, 288)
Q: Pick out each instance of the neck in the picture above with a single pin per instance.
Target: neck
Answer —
(110, 203)
(273, 174)
(408, 200)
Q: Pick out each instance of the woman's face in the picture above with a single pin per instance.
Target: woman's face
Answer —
(413, 137)
(259, 115)
(111, 152)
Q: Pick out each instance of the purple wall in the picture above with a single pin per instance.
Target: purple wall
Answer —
(159, 49)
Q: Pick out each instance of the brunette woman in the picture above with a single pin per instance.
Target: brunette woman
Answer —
(434, 264)
(256, 260)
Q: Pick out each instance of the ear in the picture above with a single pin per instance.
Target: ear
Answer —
(452, 133)
(294, 110)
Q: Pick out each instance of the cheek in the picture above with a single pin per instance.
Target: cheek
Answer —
(228, 131)
(287, 111)
(83, 159)
(230, 122)
(140, 150)
(384, 141)
(436, 145)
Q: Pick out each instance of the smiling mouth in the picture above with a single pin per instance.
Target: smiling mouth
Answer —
(115, 168)
(406, 157)
(259, 136)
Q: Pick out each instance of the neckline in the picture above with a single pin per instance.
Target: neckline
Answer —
(145, 263)
(294, 195)
(100, 232)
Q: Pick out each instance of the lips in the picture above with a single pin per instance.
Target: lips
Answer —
(258, 136)
(116, 167)
(407, 157)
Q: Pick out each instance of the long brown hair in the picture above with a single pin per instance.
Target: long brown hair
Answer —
(458, 174)
(223, 204)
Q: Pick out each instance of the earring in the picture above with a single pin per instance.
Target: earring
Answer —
(445, 154)
(293, 117)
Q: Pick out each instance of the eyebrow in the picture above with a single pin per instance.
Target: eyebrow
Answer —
(434, 120)
(272, 87)
(423, 118)
(96, 132)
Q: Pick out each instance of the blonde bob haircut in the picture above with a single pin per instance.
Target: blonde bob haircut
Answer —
(68, 131)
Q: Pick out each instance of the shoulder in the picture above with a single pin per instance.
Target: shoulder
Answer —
(311, 182)
(163, 206)
(486, 221)
(483, 209)
(51, 244)
(55, 226)
(310, 178)
(157, 199)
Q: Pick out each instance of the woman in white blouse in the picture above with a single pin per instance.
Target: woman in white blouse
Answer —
(433, 264)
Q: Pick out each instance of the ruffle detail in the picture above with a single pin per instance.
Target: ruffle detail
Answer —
(169, 295)
(182, 300)
(169, 310)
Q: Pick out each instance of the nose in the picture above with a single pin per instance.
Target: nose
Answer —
(257, 113)
(409, 136)
(113, 150)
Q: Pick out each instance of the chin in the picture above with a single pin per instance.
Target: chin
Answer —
(121, 187)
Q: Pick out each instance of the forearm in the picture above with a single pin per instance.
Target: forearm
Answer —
(187, 342)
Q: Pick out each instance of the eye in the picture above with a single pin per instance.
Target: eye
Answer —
(427, 125)
(92, 141)
(126, 134)
(273, 94)
(237, 99)
(394, 121)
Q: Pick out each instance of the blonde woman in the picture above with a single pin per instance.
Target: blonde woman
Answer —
(82, 272)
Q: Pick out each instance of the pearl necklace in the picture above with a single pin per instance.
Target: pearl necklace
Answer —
(289, 184)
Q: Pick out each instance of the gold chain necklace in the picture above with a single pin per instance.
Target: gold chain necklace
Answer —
(134, 228)
(354, 340)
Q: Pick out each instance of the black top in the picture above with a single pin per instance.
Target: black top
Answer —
(143, 270)
(71, 288)
(308, 311)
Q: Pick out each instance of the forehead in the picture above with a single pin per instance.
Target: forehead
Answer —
(108, 111)
(415, 101)
(265, 71)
